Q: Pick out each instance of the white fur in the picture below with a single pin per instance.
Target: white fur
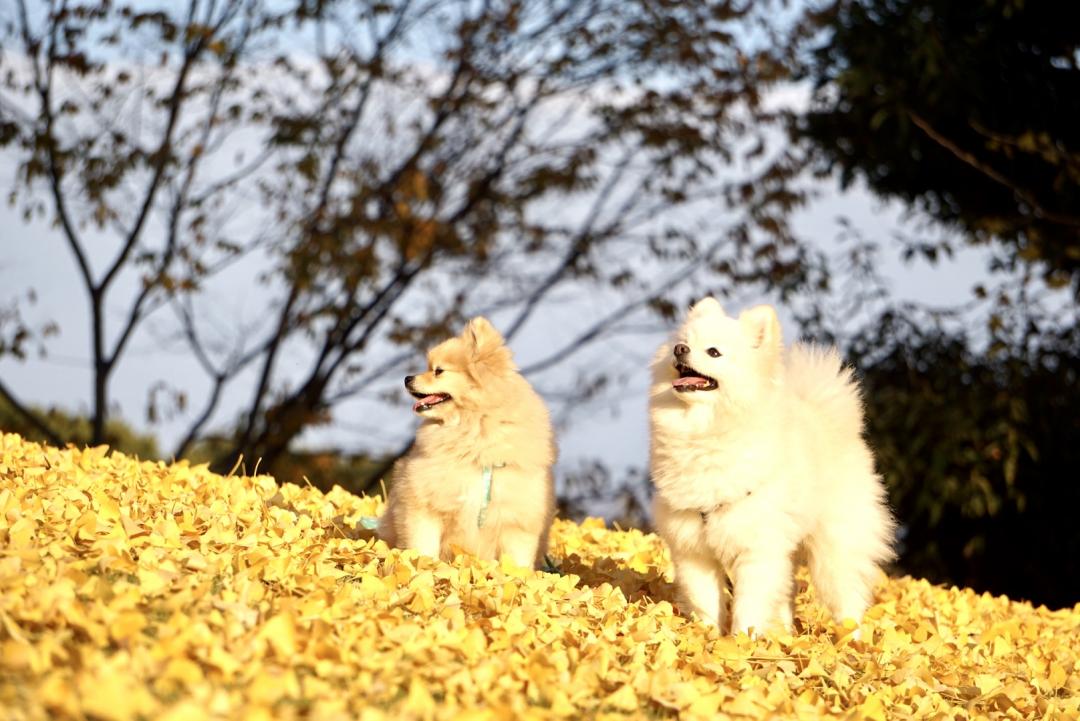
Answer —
(776, 457)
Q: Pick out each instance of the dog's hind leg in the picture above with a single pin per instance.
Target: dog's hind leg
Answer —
(423, 532)
(842, 582)
(843, 575)
(846, 550)
(523, 547)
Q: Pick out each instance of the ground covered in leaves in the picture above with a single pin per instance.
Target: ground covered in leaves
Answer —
(136, 590)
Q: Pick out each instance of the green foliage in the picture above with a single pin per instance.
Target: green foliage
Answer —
(321, 468)
(325, 469)
(361, 474)
(970, 113)
(968, 110)
(980, 454)
(76, 429)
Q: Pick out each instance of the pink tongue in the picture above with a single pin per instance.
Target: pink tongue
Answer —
(426, 401)
(691, 381)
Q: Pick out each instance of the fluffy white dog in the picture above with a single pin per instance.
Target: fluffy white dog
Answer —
(756, 453)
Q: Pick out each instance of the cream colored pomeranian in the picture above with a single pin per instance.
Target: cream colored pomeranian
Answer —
(478, 478)
(756, 454)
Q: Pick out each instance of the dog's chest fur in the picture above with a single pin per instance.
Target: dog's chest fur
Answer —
(462, 488)
(700, 465)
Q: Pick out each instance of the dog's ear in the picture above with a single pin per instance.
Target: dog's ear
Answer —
(481, 334)
(489, 352)
(762, 325)
(706, 306)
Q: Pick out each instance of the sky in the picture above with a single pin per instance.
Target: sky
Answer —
(612, 429)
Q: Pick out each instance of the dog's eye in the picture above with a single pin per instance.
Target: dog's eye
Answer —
(438, 371)
(713, 352)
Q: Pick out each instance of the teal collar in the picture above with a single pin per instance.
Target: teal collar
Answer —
(486, 477)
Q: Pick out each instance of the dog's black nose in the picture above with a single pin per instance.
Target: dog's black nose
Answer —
(408, 380)
(681, 349)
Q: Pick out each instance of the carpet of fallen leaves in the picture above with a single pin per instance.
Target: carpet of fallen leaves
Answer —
(137, 590)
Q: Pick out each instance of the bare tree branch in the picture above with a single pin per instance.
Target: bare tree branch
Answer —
(577, 248)
(313, 219)
(43, 85)
(997, 177)
(179, 205)
(597, 329)
(159, 157)
(217, 385)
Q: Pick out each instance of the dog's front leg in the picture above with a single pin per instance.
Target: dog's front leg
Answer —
(701, 581)
(423, 532)
(763, 584)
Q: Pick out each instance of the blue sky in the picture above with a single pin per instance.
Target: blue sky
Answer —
(612, 428)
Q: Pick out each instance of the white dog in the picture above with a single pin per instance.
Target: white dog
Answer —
(756, 453)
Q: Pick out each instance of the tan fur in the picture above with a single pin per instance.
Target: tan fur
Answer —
(494, 418)
(775, 455)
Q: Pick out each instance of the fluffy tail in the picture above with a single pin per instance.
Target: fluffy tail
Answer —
(856, 530)
(816, 375)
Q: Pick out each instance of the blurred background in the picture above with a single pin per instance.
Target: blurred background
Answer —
(230, 228)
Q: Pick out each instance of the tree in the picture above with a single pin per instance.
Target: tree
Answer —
(969, 111)
(385, 169)
(980, 451)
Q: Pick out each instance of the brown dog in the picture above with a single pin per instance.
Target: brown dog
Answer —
(479, 476)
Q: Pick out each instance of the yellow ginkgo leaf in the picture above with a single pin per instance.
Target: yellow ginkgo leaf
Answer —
(126, 625)
(280, 633)
(133, 590)
(623, 699)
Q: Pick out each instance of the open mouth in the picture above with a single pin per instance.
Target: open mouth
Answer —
(427, 401)
(690, 380)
